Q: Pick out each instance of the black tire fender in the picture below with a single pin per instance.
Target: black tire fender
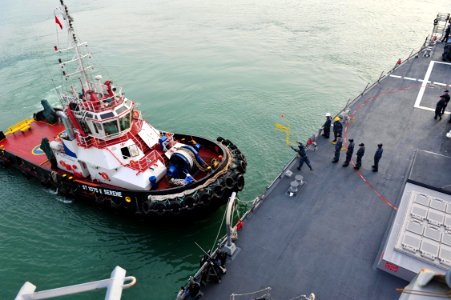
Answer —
(239, 182)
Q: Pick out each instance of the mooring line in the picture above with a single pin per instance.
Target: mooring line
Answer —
(351, 116)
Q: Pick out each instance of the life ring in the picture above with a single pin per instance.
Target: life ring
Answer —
(135, 115)
(104, 175)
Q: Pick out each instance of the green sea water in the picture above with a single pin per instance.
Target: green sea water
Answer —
(210, 68)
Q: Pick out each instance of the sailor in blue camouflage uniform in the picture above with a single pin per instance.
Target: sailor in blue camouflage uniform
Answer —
(445, 97)
(349, 152)
(438, 108)
(338, 146)
(377, 157)
(360, 154)
(302, 156)
(327, 125)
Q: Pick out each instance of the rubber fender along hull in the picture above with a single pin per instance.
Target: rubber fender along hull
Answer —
(197, 199)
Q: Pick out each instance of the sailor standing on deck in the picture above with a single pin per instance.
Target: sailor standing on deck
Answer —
(326, 126)
(438, 108)
(377, 157)
(338, 146)
(360, 154)
(349, 152)
(337, 128)
(445, 38)
(302, 156)
(445, 97)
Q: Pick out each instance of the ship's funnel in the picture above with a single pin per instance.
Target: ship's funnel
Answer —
(67, 125)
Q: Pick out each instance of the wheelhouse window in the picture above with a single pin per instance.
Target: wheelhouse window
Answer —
(97, 127)
(111, 128)
(121, 109)
(107, 115)
(125, 122)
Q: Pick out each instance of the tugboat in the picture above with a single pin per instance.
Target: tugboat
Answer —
(98, 147)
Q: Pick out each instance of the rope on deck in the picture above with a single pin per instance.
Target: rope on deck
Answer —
(266, 292)
(351, 115)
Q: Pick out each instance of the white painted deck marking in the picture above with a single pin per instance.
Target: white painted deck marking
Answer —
(424, 84)
(423, 87)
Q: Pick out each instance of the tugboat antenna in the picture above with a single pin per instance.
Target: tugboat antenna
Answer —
(78, 56)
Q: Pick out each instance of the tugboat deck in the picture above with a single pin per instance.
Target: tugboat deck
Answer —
(328, 238)
(26, 144)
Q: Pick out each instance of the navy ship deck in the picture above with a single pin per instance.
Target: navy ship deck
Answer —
(328, 237)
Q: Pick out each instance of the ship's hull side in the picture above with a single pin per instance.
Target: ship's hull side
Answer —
(196, 199)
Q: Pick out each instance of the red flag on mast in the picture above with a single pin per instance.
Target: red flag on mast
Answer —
(57, 21)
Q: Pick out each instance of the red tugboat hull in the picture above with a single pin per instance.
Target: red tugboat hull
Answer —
(21, 150)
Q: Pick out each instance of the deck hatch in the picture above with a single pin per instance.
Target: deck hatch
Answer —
(433, 233)
(422, 199)
(435, 217)
(438, 204)
(419, 212)
(446, 238)
(445, 255)
(411, 243)
(415, 227)
(429, 249)
(447, 222)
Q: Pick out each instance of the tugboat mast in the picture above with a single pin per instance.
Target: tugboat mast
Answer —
(78, 56)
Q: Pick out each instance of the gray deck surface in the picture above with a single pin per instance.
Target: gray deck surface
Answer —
(424, 168)
(326, 239)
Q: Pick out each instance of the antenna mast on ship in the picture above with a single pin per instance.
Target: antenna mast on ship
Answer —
(75, 45)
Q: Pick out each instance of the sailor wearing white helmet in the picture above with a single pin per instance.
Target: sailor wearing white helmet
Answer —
(326, 126)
